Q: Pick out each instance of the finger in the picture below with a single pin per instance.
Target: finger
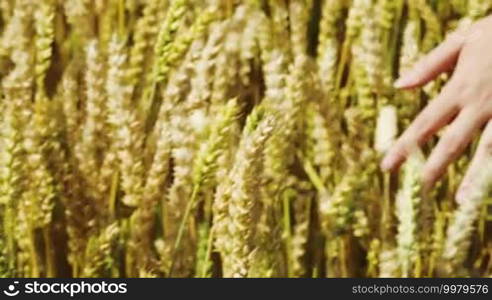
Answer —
(441, 59)
(480, 164)
(437, 114)
(454, 140)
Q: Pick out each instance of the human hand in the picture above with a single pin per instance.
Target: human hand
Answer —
(465, 103)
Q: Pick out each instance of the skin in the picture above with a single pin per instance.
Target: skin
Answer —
(464, 105)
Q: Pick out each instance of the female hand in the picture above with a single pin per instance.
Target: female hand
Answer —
(465, 103)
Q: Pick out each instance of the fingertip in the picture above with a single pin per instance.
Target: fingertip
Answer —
(399, 83)
(406, 81)
(394, 157)
(388, 162)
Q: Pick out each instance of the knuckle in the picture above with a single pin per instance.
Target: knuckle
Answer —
(452, 144)
(482, 104)
(422, 130)
(480, 111)
(455, 89)
(425, 133)
(423, 120)
(406, 145)
(451, 149)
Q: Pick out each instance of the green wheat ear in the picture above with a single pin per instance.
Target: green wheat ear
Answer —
(45, 34)
(408, 212)
(206, 163)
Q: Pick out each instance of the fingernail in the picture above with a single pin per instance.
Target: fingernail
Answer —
(406, 80)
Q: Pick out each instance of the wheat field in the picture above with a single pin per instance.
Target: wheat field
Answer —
(226, 138)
